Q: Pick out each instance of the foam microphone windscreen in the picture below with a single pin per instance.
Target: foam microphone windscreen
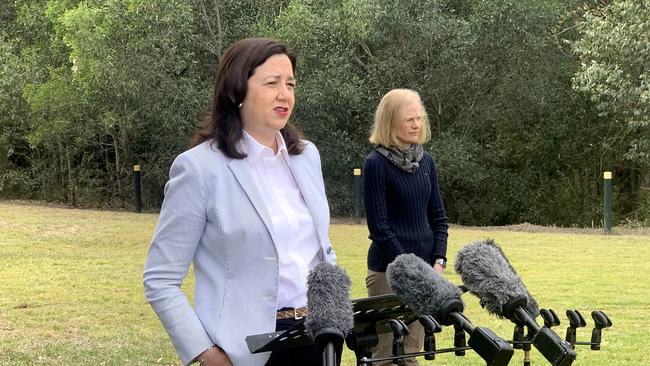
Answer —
(417, 285)
(328, 300)
(487, 273)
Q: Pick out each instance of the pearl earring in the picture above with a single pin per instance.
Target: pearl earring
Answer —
(240, 105)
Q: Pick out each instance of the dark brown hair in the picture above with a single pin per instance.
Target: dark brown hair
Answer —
(224, 124)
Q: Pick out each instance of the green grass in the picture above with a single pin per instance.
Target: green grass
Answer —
(71, 292)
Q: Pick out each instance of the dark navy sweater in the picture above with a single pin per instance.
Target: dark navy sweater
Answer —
(405, 211)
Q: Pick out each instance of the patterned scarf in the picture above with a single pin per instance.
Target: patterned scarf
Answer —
(408, 160)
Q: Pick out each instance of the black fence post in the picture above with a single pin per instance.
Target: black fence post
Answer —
(136, 185)
(607, 179)
(357, 195)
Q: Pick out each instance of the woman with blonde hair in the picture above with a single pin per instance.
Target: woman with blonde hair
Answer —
(403, 203)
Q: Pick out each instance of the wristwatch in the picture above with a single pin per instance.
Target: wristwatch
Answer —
(441, 262)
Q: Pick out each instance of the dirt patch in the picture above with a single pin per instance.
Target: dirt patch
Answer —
(525, 227)
(63, 205)
(530, 228)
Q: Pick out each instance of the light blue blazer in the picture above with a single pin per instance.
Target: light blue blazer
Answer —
(214, 217)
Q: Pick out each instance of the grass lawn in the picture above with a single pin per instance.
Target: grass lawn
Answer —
(71, 287)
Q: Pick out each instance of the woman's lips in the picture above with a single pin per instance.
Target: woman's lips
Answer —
(282, 111)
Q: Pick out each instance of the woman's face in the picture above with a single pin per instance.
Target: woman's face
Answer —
(407, 128)
(269, 100)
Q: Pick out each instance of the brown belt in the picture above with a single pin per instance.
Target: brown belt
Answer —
(291, 313)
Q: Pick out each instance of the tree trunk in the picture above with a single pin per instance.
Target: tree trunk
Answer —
(118, 181)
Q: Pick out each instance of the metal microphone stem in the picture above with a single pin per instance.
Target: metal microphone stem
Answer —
(329, 355)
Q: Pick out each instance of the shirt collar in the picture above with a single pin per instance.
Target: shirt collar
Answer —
(254, 150)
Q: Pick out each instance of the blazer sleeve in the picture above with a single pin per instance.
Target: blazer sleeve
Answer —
(374, 198)
(437, 217)
(180, 226)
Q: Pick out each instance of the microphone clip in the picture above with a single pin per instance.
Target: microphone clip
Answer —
(601, 321)
(399, 330)
(431, 326)
(576, 320)
(509, 310)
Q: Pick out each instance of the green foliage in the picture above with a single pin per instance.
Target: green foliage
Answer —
(107, 84)
(507, 125)
(614, 54)
(90, 88)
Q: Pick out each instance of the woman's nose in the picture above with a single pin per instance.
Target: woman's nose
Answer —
(284, 92)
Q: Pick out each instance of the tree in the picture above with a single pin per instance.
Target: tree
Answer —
(614, 54)
(107, 84)
(494, 82)
(350, 54)
(26, 56)
(91, 87)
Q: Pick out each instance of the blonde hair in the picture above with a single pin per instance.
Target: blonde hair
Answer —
(390, 111)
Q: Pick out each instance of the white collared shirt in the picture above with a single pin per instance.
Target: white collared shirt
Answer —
(293, 226)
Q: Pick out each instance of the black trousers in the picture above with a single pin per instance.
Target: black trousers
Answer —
(303, 356)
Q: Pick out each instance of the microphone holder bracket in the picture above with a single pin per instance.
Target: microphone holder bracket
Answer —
(509, 310)
(431, 327)
(399, 331)
(550, 318)
(576, 320)
(369, 360)
(601, 321)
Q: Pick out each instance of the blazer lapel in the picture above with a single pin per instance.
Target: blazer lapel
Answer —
(241, 170)
(298, 166)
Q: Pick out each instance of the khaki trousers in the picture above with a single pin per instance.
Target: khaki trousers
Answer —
(377, 284)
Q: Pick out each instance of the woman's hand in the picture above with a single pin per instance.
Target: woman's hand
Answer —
(438, 268)
(214, 356)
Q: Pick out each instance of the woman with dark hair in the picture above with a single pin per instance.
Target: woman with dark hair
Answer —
(247, 206)
(403, 203)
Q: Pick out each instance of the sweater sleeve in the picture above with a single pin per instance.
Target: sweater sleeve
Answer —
(437, 217)
(374, 196)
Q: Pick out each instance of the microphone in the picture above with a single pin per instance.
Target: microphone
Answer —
(330, 316)
(487, 273)
(417, 285)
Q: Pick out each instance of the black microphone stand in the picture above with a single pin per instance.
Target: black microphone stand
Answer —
(557, 351)
(490, 347)
(522, 341)
(576, 321)
(329, 341)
